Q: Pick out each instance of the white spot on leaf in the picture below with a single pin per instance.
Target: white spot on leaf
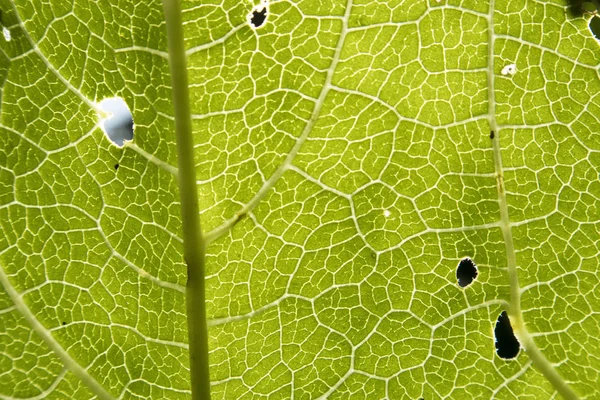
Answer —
(117, 122)
(6, 33)
(387, 213)
(510, 69)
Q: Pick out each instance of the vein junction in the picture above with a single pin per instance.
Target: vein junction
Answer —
(344, 170)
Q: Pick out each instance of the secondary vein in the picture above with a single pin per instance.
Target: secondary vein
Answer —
(270, 183)
(514, 309)
(52, 343)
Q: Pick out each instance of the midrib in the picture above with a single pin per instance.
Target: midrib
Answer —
(514, 310)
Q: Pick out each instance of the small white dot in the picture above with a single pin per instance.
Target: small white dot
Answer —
(510, 69)
(6, 33)
(387, 213)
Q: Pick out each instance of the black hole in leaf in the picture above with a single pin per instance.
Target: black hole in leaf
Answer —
(595, 27)
(491, 134)
(578, 7)
(118, 125)
(507, 345)
(258, 17)
(466, 272)
(64, 323)
(116, 166)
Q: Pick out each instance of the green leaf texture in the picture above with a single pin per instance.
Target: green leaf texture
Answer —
(344, 167)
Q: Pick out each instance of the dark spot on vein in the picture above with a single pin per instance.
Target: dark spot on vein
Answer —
(491, 134)
(258, 17)
(239, 217)
(116, 166)
(595, 27)
(64, 323)
(466, 272)
(507, 345)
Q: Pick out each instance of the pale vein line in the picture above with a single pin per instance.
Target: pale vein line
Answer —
(402, 118)
(7, 310)
(260, 310)
(51, 67)
(167, 343)
(98, 228)
(270, 183)
(25, 138)
(47, 337)
(44, 394)
(467, 310)
(339, 383)
(222, 39)
(514, 310)
(153, 159)
(513, 378)
(154, 385)
(143, 273)
(548, 50)
(159, 53)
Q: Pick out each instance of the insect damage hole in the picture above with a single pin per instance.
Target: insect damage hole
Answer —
(507, 345)
(117, 123)
(577, 8)
(595, 27)
(258, 16)
(466, 272)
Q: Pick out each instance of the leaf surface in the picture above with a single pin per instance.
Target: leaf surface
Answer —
(345, 168)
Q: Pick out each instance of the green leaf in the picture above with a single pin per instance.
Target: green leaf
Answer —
(345, 167)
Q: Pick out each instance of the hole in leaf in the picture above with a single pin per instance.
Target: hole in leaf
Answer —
(64, 323)
(491, 134)
(258, 17)
(466, 272)
(595, 27)
(578, 7)
(116, 166)
(507, 345)
(118, 122)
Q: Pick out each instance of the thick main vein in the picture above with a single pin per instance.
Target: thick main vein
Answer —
(514, 309)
